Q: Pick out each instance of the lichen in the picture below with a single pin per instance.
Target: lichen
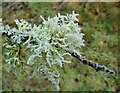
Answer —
(50, 39)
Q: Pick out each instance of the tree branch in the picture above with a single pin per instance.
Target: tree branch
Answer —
(82, 59)
(94, 65)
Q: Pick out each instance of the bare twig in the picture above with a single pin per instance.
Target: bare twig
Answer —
(94, 65)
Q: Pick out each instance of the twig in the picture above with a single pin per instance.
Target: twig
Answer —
(94, 65)
(82, 59)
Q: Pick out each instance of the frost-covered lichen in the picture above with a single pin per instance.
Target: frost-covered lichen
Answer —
(52, 40)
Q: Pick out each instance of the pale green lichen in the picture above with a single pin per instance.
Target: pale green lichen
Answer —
(50, 38)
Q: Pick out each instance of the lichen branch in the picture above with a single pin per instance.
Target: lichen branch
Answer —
(82, 59)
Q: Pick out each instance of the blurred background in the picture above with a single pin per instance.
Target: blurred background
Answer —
(99, 22)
